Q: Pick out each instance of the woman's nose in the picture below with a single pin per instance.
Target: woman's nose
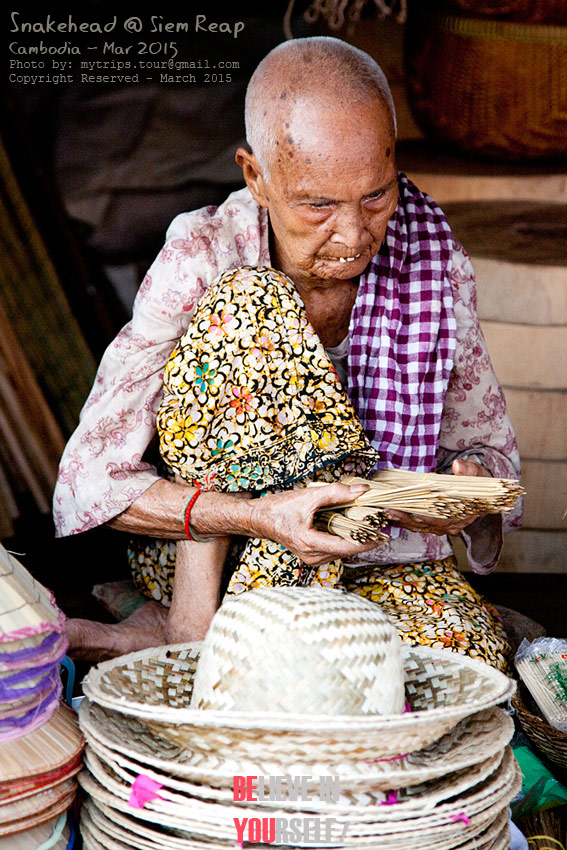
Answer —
(348, 228)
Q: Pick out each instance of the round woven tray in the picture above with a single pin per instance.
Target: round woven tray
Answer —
(551, 742)
(392, 827)
(362, 802)
(115, 736)
(57, 743)
(489, 87)
(110, 830)
(155, 686)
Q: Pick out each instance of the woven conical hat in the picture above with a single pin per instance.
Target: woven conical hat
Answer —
(55, 744)
(19, 725)
(38, 836)
(126, 740)
(33, 651)
(27, 608)
(155, 686)
(15, 707)
(37, 808)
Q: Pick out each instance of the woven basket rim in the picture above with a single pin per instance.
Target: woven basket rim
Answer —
(413, 813)
(483, 804)
(295, 722)
(547, 729)
(389, 774)
(115, 827)
(430, 791)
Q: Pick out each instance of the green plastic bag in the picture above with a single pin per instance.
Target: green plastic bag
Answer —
(540, 789)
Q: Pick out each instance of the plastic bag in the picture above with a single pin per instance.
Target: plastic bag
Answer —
(542, 666)
(540, 789)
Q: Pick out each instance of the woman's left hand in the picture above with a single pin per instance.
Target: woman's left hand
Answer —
(429, 525)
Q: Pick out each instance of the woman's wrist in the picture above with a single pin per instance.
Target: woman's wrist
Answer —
(219, 514)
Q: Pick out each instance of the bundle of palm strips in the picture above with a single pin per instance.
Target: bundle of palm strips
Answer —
(429, 494)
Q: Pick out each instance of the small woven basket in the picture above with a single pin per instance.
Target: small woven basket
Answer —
(551, 742)
(488, 87)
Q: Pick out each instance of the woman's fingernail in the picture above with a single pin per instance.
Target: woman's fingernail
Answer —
(358, 489)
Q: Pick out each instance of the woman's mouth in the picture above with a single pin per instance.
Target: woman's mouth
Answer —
(343, 259)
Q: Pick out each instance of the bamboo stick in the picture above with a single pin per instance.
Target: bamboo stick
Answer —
(434, 495)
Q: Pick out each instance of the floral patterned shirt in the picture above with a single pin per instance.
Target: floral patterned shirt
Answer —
(103, 470)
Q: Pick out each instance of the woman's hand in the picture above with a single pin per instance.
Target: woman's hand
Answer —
(287, 518)
(429, 525)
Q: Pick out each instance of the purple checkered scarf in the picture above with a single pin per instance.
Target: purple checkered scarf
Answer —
(403, 335)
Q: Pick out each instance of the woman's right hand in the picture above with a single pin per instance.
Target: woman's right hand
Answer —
(287, 518)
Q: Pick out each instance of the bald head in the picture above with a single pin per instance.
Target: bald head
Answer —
(307, 74)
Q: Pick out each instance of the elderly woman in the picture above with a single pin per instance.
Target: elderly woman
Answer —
(364, 341)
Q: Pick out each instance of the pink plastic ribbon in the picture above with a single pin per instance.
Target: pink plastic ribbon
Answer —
(461, 816)
(391, 799)
(144, 789)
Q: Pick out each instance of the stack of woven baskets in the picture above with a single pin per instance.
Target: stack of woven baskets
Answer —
(160, 773)
(40, 742)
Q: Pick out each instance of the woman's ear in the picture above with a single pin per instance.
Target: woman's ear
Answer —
(252, 175)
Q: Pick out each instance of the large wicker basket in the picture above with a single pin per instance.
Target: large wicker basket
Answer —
(489, 87)
(551, 742)
(521, 11)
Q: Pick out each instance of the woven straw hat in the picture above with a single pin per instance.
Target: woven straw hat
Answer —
(296, 649)
(447, 758)
(32, 642)
(37, 808)
(423, 795)
(155, 686)
(116, 737)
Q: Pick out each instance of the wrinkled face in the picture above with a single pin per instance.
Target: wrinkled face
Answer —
(331, 190)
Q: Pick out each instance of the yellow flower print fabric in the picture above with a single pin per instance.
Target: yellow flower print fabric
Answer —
(252, 402)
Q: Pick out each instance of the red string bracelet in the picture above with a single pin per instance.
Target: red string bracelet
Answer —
(187, 517)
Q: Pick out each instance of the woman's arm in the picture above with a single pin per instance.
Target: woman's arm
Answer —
(286, 518)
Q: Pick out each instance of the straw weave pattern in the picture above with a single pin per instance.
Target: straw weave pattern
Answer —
(155, 686)
(295, 649)
(484, 804)
(114, 736)
(105, 828)
(552, 742)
